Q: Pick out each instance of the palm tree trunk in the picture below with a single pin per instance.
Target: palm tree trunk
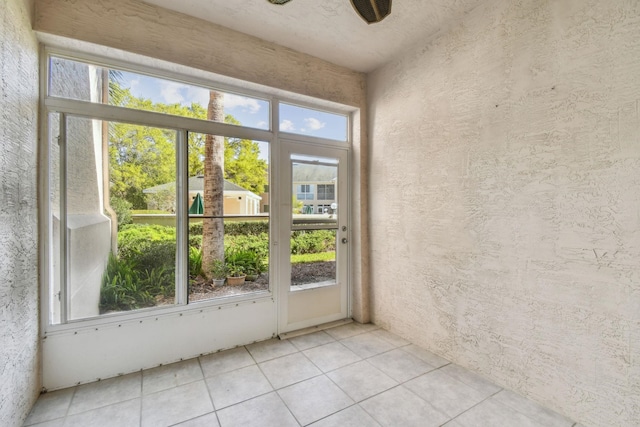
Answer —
(213, 228)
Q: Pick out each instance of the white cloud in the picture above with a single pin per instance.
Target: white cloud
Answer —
(197, 95)
(170, 92)
(287, 126)
(314, 124)
(248, 104)
(133, 84)
(262, 125)
(179, 93)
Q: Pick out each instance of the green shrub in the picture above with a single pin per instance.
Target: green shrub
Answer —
(122, 208)
(195, 262)
(195, 241)
(245, 261)
(244, 228)
(154, 255)
(258, 244)
(135, 238)
(235, 228)
(126, 287)
(121, 288)
(159, 281)
(195, 228)
(316, 241)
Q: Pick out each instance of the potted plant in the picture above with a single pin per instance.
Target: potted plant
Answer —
(255, 267)
(236, 275)
(218, 272)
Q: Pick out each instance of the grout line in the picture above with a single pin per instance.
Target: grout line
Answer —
(470, 408)
(213, 405)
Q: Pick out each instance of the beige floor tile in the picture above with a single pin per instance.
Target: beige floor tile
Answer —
(491, 413)
(287, 370)
(270, 349)
(50, 406)
(445, 393)
(367, 345)
(361, 380)
(208, 420)
(237, 386)
(353, 416)
(123, 414)
(531, 409)
(391, 338)
(350, 329)
(400, 407)
(267, 410)
(175, 405)
(331, 356)
(471, 379)
(400, 365)
(426, 356)
(225, 361)
(106, 392)
(314, 399)
(315, 339)
(168, 376)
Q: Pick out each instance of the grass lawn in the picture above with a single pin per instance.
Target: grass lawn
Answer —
(322, 256)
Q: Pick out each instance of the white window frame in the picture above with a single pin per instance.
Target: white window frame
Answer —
(182, 125)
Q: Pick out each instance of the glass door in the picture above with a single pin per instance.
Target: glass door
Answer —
(313, 236)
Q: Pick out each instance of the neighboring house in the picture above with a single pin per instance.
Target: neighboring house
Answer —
(315, 187)
(237, 200)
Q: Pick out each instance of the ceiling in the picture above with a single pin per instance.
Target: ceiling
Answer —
(330, 29)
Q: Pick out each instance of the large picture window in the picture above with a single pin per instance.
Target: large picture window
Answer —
(156, 193)
(154, 208)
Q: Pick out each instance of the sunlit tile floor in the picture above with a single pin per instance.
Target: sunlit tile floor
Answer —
(351, 375)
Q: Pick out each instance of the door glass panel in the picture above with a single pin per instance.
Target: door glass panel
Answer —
(55, 209)
(228, 216)
(314, 221)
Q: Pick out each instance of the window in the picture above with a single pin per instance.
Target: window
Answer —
(312, 122)
(326, 192)
(323, 209)
(139, 91)
(136, 219)
(305, 192)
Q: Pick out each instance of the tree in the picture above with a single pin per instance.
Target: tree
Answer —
(140, 157)
(243, 165)
(213, 223)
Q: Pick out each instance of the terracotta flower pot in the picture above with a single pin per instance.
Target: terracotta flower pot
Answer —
(235, 281)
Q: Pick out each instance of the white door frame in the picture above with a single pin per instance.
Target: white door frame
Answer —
(303, 308)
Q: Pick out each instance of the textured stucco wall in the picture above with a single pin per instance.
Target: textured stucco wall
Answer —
(19, 350)
(134, 26)
(505, 201)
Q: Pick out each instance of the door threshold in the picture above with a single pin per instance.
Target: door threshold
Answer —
(312, 329)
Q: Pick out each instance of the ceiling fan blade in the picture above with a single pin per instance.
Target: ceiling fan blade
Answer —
(372, 11)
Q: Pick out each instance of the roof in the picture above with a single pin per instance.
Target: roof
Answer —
(196, 183)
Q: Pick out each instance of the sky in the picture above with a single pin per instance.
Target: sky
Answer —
(251, 112)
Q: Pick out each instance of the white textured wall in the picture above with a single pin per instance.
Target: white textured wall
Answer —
(505, 201)
(19, 350)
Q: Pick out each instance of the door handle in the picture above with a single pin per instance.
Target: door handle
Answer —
(344, 240)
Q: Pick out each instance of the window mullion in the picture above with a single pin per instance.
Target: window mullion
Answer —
(149, 118)
(182, 218)
(64, 295)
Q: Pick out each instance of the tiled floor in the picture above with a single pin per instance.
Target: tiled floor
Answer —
(352, 375)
